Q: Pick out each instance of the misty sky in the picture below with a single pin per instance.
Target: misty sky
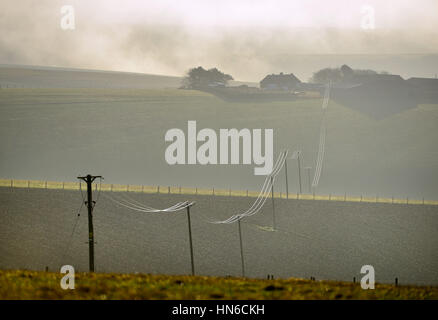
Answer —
(244, 38)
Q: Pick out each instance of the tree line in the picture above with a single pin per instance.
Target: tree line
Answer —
(199, 78)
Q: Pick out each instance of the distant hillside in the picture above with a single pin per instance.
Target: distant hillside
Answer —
(50, 77)
(21, 76)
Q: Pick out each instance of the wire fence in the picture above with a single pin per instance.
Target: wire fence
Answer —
(39, 184)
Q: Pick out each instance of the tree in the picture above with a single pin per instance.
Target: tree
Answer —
(326, 75)
(199, 78)
(337, 74)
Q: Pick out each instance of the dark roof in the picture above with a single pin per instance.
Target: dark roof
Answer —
(424, 82)
(346, 71)
(365, 78)
(280, 79)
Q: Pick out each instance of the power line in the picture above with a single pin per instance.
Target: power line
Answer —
(73, 231)
(98, 193)
(322, 137)
(139, 207)
(263, 196)
(146, 209)
(264, 193)
(261, 199)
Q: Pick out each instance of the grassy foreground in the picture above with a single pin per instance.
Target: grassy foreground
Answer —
(46, 285)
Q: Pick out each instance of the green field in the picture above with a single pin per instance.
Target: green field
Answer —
(103, 286)
(46, 133)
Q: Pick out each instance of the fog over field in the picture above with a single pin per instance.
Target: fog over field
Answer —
(247, 39)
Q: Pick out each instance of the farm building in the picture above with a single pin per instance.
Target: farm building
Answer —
(429, 84)
(285, 82)
(351, 77)
(426, 89)
(377, 95)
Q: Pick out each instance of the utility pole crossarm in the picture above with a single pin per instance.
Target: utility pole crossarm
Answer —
(89, 176)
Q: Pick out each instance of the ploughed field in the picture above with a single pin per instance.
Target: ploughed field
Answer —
(320, 239)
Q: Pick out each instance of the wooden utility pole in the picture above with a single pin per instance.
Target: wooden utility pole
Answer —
(299, 171)
(287, 184)
(296, 155)
(241, 249)
(90, 204)
(308, 179)
(273, 204)
(190, 239)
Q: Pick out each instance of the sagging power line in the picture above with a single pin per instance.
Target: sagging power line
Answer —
(139, 207)
(264, 193)
(131, 204)
(322, 137)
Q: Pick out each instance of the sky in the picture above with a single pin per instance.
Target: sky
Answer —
(244, 38)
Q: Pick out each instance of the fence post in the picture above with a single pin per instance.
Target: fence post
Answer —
(168, 190)
(158, 189)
